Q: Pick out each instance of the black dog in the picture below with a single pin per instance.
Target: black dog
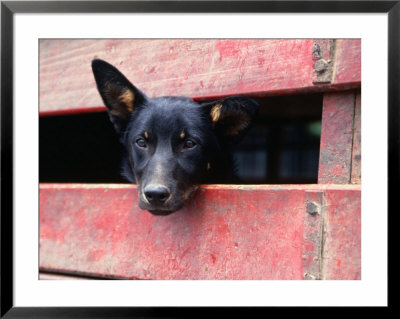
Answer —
(173, 144)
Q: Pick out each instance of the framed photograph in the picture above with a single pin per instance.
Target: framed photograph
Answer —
(163, 155)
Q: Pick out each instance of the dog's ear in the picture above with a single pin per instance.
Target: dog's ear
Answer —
(231, 117)
(118, 94)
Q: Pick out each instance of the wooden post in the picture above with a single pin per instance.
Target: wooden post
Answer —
(337, 138)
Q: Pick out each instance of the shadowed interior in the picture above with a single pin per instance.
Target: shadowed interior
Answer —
(282, 146)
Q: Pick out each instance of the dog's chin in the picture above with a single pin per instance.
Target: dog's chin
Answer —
(162, 212)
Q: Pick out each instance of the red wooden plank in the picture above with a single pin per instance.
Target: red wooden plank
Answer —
(348, 62)
(356, 155)
(336, 138)
(194, 67)
(75, 111)
(342, 243)
(227, 232)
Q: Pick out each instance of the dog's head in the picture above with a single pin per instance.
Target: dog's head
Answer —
(173, 144)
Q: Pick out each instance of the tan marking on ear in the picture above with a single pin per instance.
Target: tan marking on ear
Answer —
(182, 135)
(208, 166)
(127, 97)
(146, 135)
(215, 112)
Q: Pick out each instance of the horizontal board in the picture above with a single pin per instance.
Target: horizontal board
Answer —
(226, 232)
(199, 68)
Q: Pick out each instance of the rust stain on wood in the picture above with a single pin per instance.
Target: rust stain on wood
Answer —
(324, 56)
(312, 235)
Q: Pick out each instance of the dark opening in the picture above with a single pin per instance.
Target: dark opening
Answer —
(80, 148)
(282, 147)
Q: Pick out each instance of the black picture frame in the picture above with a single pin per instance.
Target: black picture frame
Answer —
(9, 8)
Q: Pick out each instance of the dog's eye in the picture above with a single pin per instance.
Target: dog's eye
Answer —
(189, 144)
(141, 142)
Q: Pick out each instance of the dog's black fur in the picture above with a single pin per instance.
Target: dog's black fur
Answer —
(173, 144)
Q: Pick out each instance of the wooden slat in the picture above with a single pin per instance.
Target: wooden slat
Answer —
(348, 62)
(342, 242)
(356, 152)
(336, 138)
(226, 232)
(196, 68)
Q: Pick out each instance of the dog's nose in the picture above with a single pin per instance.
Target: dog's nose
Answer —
(156, 194)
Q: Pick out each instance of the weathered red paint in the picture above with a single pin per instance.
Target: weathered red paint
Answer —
(348, 61)
(336, 138)
(356, 152)
(227, 232)
(194, 67)
(342, 239)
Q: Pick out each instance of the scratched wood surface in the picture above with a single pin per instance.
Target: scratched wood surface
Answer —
(199, 68)
(227, 232)
(341, 259)
(356, 152)
(348, 63)
(337, 135)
